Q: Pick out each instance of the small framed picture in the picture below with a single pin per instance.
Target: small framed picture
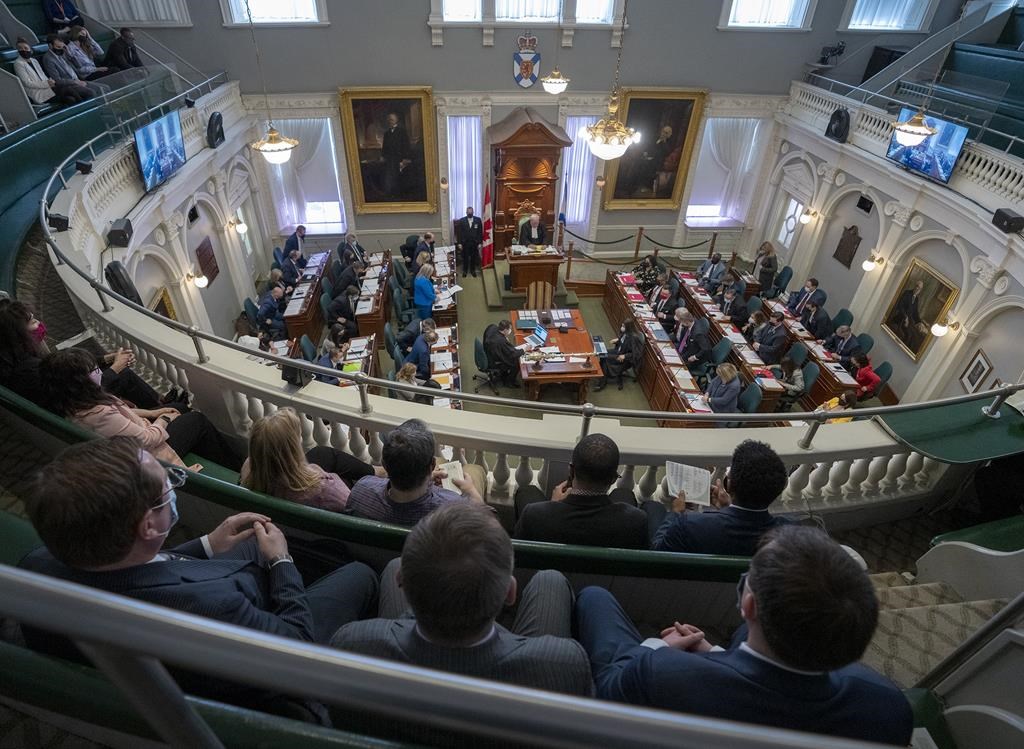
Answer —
(978, 368)
(996, 383)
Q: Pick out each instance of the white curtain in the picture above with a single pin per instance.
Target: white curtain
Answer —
(465, 165)
(147, 11)
(527, 10)
(888, 14)
(732, 141)
(460, 10)
(270, 11)
(310, 175)
(594, 11)
(578, 177)
(768, 12)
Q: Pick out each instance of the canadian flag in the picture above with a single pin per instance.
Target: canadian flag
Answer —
(487, 250)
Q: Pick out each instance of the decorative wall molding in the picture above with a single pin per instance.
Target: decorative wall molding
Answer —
(987, 273)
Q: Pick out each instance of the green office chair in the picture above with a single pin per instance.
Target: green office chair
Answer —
(843, 317)
(884, 372)
(391, 393)
(798, 353)
(866, 342)
(748, 402)
(719, 354)
(781, 282)
(397, 357)
(389, 338)
(327, 286)
(486, 373)
(308, 348)
(325, 304)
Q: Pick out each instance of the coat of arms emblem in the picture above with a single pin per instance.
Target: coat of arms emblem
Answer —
(526, 62)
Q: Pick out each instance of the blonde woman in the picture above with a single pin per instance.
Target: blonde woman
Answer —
(277, 466)
(423, 291)
(422, 258)
(724, 390)
(407, 376)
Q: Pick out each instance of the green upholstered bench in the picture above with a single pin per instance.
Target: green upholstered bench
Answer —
(998, 535)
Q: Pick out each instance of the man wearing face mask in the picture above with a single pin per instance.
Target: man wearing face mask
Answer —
(122, 54)
(108, 533)
(501, 354)
(470, 233)
(59, 69)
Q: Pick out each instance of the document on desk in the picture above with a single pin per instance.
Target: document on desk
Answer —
(294, 307)
(301, 291)
(549, 349)
(358, 345)
(365, 306)
(696, 482)
(577, 360)
(442, 361)
(735, 336)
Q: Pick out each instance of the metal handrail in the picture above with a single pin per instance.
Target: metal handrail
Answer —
(144, 51)
(493, 711)
(363, 381)
(140, 30)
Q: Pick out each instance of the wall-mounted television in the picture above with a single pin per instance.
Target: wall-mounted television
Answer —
(936, 156)
(161, 149)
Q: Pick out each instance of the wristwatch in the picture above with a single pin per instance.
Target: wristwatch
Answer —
(273, 562)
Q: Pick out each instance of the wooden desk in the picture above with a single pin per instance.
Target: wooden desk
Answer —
(303, 315)
(378, 311)
(753, 286)
(445, 277)
(575, 341)
(449, 378)
(534, 266)
(366, 358)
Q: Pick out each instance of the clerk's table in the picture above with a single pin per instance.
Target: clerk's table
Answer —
(575, 364)
(529, 264)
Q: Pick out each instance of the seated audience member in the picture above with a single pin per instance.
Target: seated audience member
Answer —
(269, 314)
(414, 330)
(407, 375)
(664, 308)
(732, 281)
(295, 242)
(338, 335)
(845, 401)
(809, 612)
(693, 345)
(645, 273)
(816, 320)
(710, 273)
(277, 466)
(791, 377)
(502, 355)
(424, 293)
(584, 509)
(61, 14)
(68, 86)
(350, 250)
(342, 311)
(409, 493)
(626, 352)
(724, 390)
(107, 533)
(770, 341)
(292, 269)
(422, 258)
(766, 266)
(808, 293)
(350, 276)
(332, 358)
(864, 374)
(83, 52)
(276, 279)
(756, 477)
(732, 304)
(420, 354)
(70, 385)
(122, 54)
(455, 576)
(756, 323)
(843, 345)
(39, 86)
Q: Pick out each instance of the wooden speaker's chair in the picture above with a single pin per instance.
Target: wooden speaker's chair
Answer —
(540, 295)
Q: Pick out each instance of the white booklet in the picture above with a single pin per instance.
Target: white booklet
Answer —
(696, 482)
(454, 471)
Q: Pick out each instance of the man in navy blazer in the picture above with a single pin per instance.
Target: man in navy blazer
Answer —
(770, 341)
(809, 292)
(756, 477)
(809, 611)
(419, 354)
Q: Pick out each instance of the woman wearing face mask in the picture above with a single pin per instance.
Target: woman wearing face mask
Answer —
(70, 385)
(22, 345)
(626, 352)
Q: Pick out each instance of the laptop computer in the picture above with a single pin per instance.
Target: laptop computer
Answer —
(538, 337)
(599, 348)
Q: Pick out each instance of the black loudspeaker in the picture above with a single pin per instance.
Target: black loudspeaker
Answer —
(1008, 221)
(120, 233)
(295, 376)
(865, 203)
(215, 130)
(119, 281)
(193, 215)
(838, 125)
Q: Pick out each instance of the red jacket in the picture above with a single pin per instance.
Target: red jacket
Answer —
(867, 378)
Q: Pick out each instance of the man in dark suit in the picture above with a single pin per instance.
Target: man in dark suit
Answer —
(107, 533)
(292, 269)
(843, 344)
(122, 54)
(425, 244)
(581, 510)
(905, 317)
(294, 242)
(809, 292)
(732, 304)
(665, 280)
(413, 331)
(395, 154)
(810, 612)
(532, 231)
(770, 341)
(419, 354)
(455, 577)
(816, 320)
(342, 311)
(501, 354)
(693, 345)
(710, 272)
(664, 308)
(350, 250)
(756, 477)
(269, 315)
(350, 276)
(470, 232)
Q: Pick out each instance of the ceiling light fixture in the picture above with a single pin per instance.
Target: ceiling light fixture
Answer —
(200, 281)
(807, 215)
(608, 138)
(276, 148)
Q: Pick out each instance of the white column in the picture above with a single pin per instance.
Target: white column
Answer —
(868, 306)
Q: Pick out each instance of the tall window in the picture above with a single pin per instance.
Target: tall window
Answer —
(531, 11)
(465, 165)
(276, 11)
(789, 221)
(461, 10)
(594, 11)
(889, 15)
(578, 177)
(768, 14)
(305, 188)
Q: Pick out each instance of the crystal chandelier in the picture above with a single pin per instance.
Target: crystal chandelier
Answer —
(276, 148)
(608, 138)
(555, 82)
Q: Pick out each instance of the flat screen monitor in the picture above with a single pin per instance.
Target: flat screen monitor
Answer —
(161, 149)
(934, 157)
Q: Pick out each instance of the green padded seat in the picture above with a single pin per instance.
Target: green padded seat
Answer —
(998, 535)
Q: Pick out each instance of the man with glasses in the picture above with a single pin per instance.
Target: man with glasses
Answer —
(809, 612)
(104, 510)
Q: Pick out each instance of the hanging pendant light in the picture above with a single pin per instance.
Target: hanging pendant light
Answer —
(608, 138)
(554, 82)
(276, 148)
(914, 131)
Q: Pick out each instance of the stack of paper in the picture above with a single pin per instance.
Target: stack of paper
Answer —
(454, 471)
(749, 356)
(690, 281)
(301, 291)
(577, 360)
(294, 307)
(444, 380)
(735, 336)
(441, 362)
(358, 345)
(697, 403)
(695, 482)
(279, 347)
(550, 350)
(669, 354)
(442, 403)
(633, 295)
(364, 307)
(528, 314)
(684, 380)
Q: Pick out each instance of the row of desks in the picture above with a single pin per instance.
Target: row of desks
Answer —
(445, 310)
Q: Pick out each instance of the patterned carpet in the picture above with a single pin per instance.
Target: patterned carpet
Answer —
(896, 547)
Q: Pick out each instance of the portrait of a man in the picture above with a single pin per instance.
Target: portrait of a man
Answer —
(923, 298)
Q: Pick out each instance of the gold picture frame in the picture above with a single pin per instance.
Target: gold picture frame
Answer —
(162, 304)
(652, 174)
(391, 169)
(911, 313)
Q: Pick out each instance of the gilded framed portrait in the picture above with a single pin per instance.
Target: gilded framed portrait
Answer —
(391, 147)
(924, 297)
(162, 304)
(652, 173)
